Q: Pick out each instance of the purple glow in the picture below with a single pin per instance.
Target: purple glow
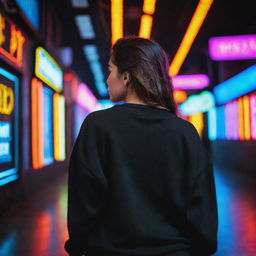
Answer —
(233, 47)
(190, 82)
(85, 98)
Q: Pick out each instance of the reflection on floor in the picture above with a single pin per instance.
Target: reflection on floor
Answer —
(37, 227)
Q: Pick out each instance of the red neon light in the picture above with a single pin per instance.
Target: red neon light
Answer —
(37, 123)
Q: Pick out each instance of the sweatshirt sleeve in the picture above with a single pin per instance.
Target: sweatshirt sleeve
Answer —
(202, 212)
(87, 185)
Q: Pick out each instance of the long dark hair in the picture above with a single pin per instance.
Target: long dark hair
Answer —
(147, 64)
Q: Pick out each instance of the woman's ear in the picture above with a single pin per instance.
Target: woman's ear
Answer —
(126, 77)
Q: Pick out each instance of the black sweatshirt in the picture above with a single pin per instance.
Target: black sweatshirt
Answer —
(140, 183)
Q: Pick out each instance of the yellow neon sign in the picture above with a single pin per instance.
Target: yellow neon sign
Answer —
(6, 100)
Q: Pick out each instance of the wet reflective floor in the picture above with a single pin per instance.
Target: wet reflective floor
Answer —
(37, 227)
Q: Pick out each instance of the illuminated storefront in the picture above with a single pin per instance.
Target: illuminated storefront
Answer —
(48, 111)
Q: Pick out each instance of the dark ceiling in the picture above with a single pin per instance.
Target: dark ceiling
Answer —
(171, 19)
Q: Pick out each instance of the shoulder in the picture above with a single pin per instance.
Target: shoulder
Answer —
(184, 127)
(99, 118)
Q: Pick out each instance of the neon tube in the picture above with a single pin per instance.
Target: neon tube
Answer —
(189, 37)
(253, 115)
(145, 26)
(232, 47)
(116, 19)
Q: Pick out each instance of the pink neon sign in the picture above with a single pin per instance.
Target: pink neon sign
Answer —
(253, 115)
(233, 47)
(85, 98)
(190, 82)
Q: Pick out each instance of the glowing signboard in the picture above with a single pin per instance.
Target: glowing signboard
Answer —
(190, 82)
(232, 47)
(11, 41)
(9, 146)
(236, 86)
(48, 70)
(31, 9)
(198, 103)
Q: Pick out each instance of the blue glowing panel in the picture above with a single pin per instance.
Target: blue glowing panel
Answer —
(30, 8)
(238, 85)
(48, 126)
(9, 130)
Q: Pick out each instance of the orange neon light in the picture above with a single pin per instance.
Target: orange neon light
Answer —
(198, 121)
(149, 6)
(246, 105)
(145, 26)
(180, 96)
(14, 51)
(189, 37)
(116, 19)
(37, 123)
(241, 118)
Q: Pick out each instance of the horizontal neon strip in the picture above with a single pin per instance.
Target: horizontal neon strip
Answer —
(236, 86)
(233, 47)
(7, 173)
(8, 179)
(190, 82)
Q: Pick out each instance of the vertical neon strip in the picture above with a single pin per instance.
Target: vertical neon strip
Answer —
(212, 126)
(116, 19)
(246, 105)
(56, 125)
(253, 115)
(235, 120)
(37, 123)
(241, 118)
(59, 127)
(145, 26)
(221, 122)
(62, 152)
(227, 120)
(197, 121)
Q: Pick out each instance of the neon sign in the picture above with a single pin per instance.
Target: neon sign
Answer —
(253, 115)
(190, 82)
(48, 70)
(198, 103)
(9, 127)
(233, 47)
(6, 100)
(11, 41)
(236, 86)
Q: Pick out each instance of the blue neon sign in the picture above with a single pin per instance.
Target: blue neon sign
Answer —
(31, 10)
(9, 131)
(238, 85)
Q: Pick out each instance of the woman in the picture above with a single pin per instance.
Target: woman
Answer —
(140, 181)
